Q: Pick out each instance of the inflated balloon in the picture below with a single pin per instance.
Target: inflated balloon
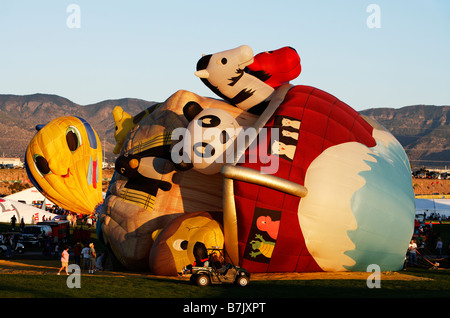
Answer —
(124, 122)
(208, 142)
(175, 246)
(358, 205)
(224, 73)
(149, 191)
(64, 162)
(276, 67)
(319, 188)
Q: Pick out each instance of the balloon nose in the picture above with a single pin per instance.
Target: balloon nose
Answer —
(59, 165)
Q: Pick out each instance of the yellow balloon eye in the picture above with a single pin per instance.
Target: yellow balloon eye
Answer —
(73, 138)
(41, 165)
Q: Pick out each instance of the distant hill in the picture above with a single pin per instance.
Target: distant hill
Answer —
(20, 114)
(423, 130)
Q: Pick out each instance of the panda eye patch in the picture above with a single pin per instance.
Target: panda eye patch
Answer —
(203, 150)
(209, 121)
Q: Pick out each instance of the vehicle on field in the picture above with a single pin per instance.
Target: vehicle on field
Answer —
(60, 229)
(35, 234)
(16, 246)
(216, 271)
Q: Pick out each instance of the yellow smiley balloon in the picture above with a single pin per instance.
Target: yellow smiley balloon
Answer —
(64, 162)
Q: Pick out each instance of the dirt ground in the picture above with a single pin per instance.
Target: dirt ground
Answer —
(14, 180)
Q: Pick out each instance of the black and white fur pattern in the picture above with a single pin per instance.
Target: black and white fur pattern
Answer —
(224, 73)
(210, 137)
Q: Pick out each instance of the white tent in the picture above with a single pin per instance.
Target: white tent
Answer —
(30, 214)
(441, 206)
(29, 196)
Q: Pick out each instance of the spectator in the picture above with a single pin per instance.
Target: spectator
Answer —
(439, 248)
(13, 222)
(85, 256)
(412, 253)
(22, 224)
(77, 253)
(64, 260)
(92, 258)
(56, 250)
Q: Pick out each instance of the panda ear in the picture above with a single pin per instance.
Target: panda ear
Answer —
(191, 109)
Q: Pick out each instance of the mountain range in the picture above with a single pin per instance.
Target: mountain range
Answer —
(423, 130)
(19, 116)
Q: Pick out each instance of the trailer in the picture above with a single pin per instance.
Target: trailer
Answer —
(61, 229)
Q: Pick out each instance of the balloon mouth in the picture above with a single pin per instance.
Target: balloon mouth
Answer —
(66, 175)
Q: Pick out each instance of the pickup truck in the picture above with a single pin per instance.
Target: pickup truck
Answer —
(35, 234)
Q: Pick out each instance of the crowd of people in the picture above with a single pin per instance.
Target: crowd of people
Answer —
(84, 253)
(427, 244)
(437, 217)
(85, 256)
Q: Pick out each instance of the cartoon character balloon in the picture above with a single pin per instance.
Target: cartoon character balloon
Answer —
(150, 191)
(320, 188)
(64, 162)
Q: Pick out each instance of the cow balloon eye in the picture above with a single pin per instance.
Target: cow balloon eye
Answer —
(41, 165)
(73, 138)
(223, 61)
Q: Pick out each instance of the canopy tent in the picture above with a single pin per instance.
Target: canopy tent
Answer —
(29, 196)
(441, 206)
(30, 214)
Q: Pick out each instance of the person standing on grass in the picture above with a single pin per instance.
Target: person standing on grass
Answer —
(439, 248)
(92, 258)
(85, 256)
(64, 260)
(412, 253)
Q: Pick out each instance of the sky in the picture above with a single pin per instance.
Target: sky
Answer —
(369, 54)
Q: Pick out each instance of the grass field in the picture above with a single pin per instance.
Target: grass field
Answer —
(23, 278)
(423, 284)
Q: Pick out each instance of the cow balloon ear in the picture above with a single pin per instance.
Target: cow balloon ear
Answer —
(39, 127)
(191, 109)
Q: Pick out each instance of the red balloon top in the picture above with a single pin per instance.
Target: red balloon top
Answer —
(276, 67)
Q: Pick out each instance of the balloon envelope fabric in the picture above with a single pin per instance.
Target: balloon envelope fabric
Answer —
(279, 232)
(64, 162)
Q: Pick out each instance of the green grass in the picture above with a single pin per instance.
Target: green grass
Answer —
(144, 286)
(140, 286)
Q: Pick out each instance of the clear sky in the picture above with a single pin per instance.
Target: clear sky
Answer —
(149, 49)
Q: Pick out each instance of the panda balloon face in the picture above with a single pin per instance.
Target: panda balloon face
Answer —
(210, 138)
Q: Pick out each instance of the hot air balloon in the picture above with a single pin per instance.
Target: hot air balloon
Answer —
(64, 162)
(341, 198)
(149, 191)
(319, 188)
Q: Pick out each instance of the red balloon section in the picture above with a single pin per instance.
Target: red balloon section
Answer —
(323, 121)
